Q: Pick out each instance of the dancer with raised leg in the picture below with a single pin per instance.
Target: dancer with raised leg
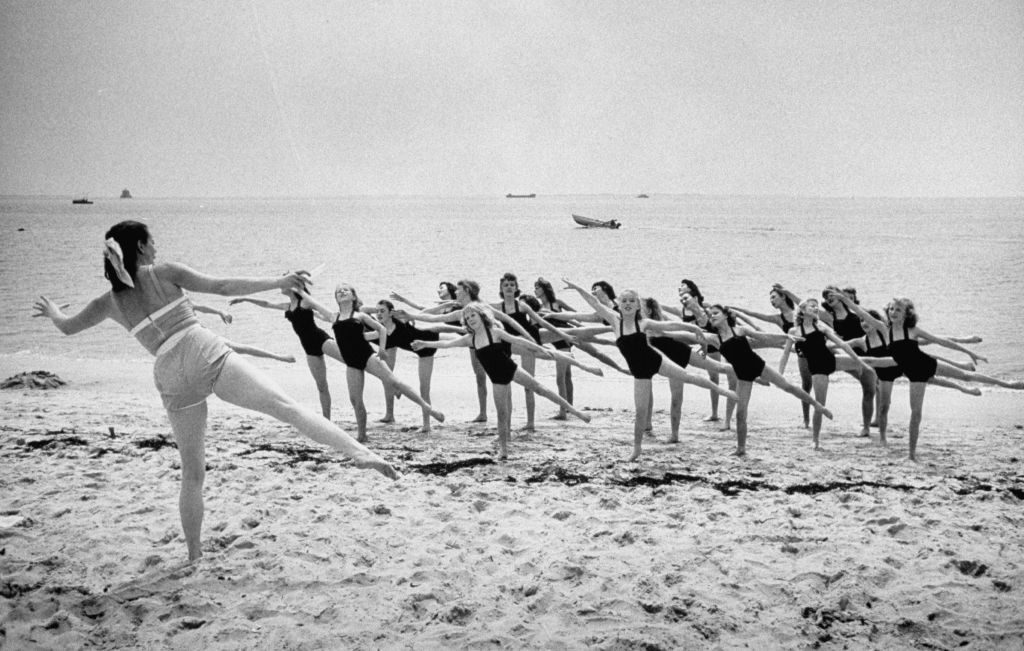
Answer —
(644, 362)
(192, 362)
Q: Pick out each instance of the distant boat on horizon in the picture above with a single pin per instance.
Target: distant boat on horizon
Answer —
(125, 194)
(521, 196)
(587, 222)
(82, 201)
(642, 196)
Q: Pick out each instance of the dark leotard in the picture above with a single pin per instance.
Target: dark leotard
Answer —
(559, 344)
(820, 360)
(737, 351)
(787, 325)
(913, 362)
(355, 350)
(689, 318)
(642, 360)
(494, 358)
(885, 373)
(848, 327)
(523, 319)
(675, 350)
(311, 337)
(406, 333)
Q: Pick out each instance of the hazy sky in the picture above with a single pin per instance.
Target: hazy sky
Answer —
(297, 98)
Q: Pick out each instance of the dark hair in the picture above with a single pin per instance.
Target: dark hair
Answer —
(472, 287)
(875, 314)
(128, 235)
(730, 318)
(694, 290)
(386, 303)
(547, 290)
(509, 276)
(531, 301)
(448, 287)
(606, 288)
(852, 293)
(789, 302)
(653, 308)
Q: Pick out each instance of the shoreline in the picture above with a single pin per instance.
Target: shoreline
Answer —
(565, 545)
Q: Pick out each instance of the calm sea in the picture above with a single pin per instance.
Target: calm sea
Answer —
(960, 260)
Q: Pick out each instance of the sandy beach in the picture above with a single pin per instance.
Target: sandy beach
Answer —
(563, 546)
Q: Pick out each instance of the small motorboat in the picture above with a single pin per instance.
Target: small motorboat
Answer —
(82, 201)
(587, 222)
(532, 195)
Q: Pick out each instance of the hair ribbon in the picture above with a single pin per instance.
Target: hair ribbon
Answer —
(112, 252)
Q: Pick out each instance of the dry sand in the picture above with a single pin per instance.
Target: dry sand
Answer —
(563, 546)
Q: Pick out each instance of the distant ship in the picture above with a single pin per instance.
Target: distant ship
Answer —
(642, 196)
(521, 196)
(82, 200)
(125, 194)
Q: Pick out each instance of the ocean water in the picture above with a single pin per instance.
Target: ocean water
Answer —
(960, 260)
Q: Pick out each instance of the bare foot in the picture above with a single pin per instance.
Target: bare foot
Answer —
(865, 431)
(594, 370)
(378, 464)
(362, 438)
(635, 455)
(438, 416)
(672, 439)
(725, 428)
(584, 417)
(482, 418)
(528, 428)
(387, 419)
(290, 359)
(560, 417)
(424, 430)
(826, 413)
(713, 418)
(740, 452)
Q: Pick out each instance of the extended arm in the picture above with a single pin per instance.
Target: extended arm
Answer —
(259, 302)
(879, 325)
(395, 296)
(447, 342)
(541, 320)
(188, 278)
(769, 318)
(845, 345)
(942, 341)
(95, 312)
(595, 304)
(206, 309)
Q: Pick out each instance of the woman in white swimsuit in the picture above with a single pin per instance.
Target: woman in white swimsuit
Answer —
(191, 361)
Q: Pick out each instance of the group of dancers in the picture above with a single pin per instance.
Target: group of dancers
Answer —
(192, 362)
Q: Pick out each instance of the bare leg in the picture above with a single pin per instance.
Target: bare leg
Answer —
(527, 380)
(189, 427)
(779, 381)
(672, 370)
(649, 425)
(318, 369)
(481, 387)
(675, 388)
(884, 400)
(529, 364)
(820, 384)
(945, 382)
(253, 351)
(356, 380)
(426, 371)
(376, 368)
(867, 380)
(805, 384)
(242, 384)
(916, 405)
(743, 389)
(389, 390)
(730, 404)
(502, 404)
(642, 400)
(562, 379)
(966, 366)
(713, 376)
(973, 376)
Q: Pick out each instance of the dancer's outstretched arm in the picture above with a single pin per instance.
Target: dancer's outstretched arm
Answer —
(259, 302)
(206, 309)
(447, 342)
(942, 341)
(601, 310)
